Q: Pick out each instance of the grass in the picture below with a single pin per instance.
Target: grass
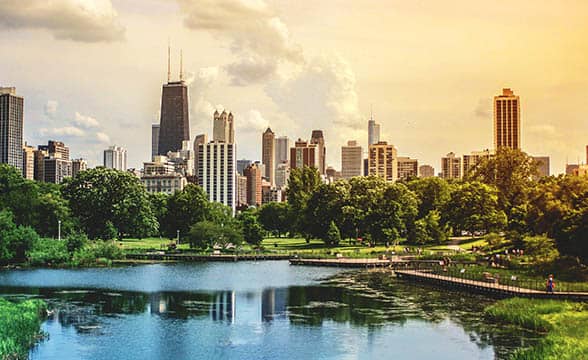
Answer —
(19, 327)
(566, 324)
(148, 244)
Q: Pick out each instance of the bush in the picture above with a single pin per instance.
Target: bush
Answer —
(540, 248)
(97, 253)
(20, 327)
(48, 252)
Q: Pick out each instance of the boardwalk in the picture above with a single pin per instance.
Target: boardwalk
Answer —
(485, 287)
(193, 257)
(342, 262)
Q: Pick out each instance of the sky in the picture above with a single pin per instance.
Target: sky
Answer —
(91, 71)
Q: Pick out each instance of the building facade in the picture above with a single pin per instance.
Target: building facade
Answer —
(164, 183)
(11, 127)
(200, 139)
(451, 166)
(383, 161)
(351, 160)
(115, 157)
(507, 120)
(28, 162)
(282, 146)
(154, 139)
(542, 163)
(407, 168)
(217, 172)
(56, 169)
(253, 175)
(268, 154)
(303, 154)
(223, 128)
(174, 121)
(471, 161)
(282, 175)
(241, 191)
(318, 139)
(373, 132)
(426, 171)
(78, 165)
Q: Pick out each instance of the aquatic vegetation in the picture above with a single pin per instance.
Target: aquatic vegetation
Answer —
(566, 324)
(20, 327)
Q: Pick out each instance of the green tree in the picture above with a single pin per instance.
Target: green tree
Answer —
(432, 193)
(109, 202)
(185, 208)
(51, 209)
(540, 248)
(158, 203)
(15, 240)
(333, 236)
(301, 185)
(473, 207)
(18, 195)
(275, 218)
(207, 234)
(325, 206)
(252, 231)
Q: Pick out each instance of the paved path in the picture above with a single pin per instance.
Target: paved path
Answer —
(342, 262)
(505, 290)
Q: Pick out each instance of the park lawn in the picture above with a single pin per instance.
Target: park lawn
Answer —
(566, 324)
(148, 244)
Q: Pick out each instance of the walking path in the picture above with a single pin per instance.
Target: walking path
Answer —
(481, 286)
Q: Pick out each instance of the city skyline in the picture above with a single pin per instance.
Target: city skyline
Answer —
(460, 74)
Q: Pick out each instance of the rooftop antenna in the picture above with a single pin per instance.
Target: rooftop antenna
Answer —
(181, 66)
(371, 111)
(168, 62)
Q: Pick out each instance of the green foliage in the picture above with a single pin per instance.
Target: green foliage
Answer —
(333, 236)
(18, 195)
(433, 193)
(301, 185)
(540, 248)
(107, 201)
(253, 233)
(473, 206)
(275, 218)
(48, 252)
(20, 327)
(208, 234)
(96, 253)
(494, 240)
(76, 241)
(185, 208)
(15, 241)
(158, 202)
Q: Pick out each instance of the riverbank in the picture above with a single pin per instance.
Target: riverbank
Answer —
(20, 327)
(565, 323)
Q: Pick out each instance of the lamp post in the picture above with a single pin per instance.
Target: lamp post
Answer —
(178, 237)
(58, 229)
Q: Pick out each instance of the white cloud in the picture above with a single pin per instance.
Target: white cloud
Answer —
(51, 108)
(253, 122)
(259, 38)
(77, 20)
(85, 121)
(102, 137)
(63, 131)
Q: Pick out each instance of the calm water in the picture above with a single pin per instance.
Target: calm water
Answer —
(250, 310)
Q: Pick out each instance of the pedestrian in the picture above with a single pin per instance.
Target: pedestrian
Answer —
(550, 285)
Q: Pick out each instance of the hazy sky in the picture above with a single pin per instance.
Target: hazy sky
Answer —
(91, 71)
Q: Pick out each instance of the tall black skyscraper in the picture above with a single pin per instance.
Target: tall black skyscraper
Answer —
(11, 123)
(175, 121)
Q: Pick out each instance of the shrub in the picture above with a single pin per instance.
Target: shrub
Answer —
(19, 327)
(97, 253)
(48, 252)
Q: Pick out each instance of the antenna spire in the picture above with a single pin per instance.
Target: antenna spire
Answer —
(168, 62)
(181, 66)
(371, 111)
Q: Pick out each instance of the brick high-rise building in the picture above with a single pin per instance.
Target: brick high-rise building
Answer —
(507, 120)
(253, 175)
(11, 127)
(383, 161)
(268, 154)
(426, 171)
(351, 160)
(451, 166)
(407, 168)
(318, 138)
(303, 154)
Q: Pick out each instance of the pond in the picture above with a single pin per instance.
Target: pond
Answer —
(252, 310)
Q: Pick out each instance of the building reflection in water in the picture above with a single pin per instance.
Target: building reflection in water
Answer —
(158, 303)
(223, 307)
(273, 304)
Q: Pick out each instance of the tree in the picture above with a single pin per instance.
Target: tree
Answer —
(333, 236)
(158, 203)
(207, 234)
(540, 248)
(473, 207)
(15, 240)
(275, 217)
(511, 172)
(52, 208)
(109, 202)
(18, 195)
(252, 231)
(325, 206)
(301, 184)
(432, 193)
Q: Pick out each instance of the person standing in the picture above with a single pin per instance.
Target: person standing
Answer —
(550, 285)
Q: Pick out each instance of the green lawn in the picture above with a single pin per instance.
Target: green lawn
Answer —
(148, 244)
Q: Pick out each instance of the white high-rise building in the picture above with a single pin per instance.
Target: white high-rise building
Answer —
(373, 132)
(115, 157)
(217, 172)
(351, 160)
(282, 150)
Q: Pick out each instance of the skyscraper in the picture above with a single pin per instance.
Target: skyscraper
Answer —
(217, 173)
(471, 161)
(154, 140)
(28, 162)
(382, 161)
(78, 165)
(318, 139)
(351, 160)
(175, 120)
(11, 127)
(451, 166)
(507, 120)
(426, 171)
(268, 154)
(303, 154)
(282, 175)
(282, 150)
(200, 139)
(115, 157)
(253, 174)
(373, 131)
(407, 168)
(55, 149)
(223, 129)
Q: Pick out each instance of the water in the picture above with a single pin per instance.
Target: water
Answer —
(248, 310)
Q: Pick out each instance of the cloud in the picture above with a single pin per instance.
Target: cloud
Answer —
(63, 131)
(51, 108)
(77, 20)
(258, 37)
(252, 122)
(484, 108)
(102, 137)
(85, 121)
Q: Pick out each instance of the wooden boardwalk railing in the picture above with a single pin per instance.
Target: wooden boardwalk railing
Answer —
(502, 290)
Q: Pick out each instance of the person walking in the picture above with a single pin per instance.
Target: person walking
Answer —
(550, 285)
